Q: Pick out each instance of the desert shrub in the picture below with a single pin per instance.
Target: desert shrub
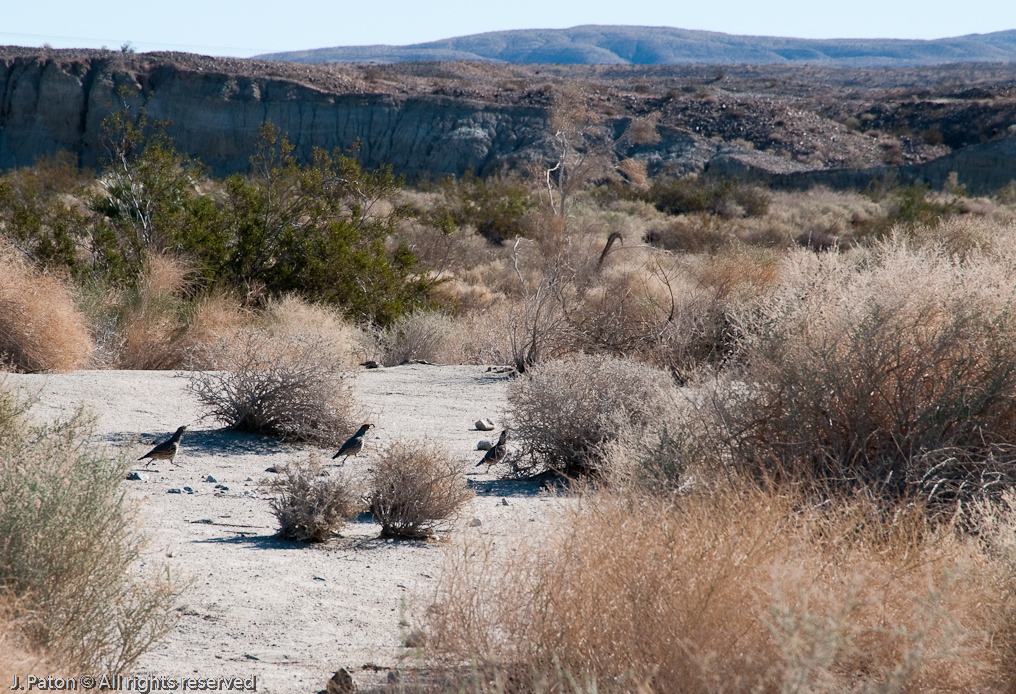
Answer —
(724, 196)
(70, 548)
(419, 335)
(854, 371)
(495, 207)
(40, 327)
(149, 316)
(415, 488)
(290, 387)
(319, 229)
(735, 590)
(310, 507)
(562, 412)
(289, 316)
(36, 215)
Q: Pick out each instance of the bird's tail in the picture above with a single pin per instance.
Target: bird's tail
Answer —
(481, 462)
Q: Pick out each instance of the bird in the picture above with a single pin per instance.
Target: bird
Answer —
(355, 443)
(497, 452)
(165, 450)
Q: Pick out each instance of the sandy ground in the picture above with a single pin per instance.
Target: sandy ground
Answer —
(256, 605)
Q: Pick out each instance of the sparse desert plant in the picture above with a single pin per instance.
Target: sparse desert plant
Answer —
(289, 387)
(419, 335)
(310, 507)
(856, 371)
(70, 547)
(731, 589)
(40, 328)
(562, 412)
(415, 489)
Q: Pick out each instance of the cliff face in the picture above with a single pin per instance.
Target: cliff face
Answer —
(433, 119)
(47, 106)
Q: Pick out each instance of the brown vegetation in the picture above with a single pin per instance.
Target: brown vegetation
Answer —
(739, 589)
(311, 507)
(40, 327)
(415, 488)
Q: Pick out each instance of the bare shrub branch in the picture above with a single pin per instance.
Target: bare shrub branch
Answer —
(415, 488)
(288, 387)
(310, 507)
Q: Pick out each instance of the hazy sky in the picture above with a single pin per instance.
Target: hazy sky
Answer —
(248, 27)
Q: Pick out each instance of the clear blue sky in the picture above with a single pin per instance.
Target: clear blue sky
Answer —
(247, 27)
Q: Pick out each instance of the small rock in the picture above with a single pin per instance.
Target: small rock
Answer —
(475, 523)
(137, 477)
(222, 487)
(211, 479)
(370, 364)
(504, 501)
(250, 494)
(249, 479)
(484, 424)
(174, 491)
(188, 490)
(272, 469)
(341, 683)
(484, 445)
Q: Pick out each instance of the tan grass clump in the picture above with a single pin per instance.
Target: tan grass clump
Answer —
(736, 590)
(562, 412)
(70, 548)
(291, 317)
(40, 327)
(415, 488)
(311, 507)
(151, 328)
(285, 386)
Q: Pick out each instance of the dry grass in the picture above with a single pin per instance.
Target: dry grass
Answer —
(415, 489)
(40, 327)
(311, 507)
(286, 386)
(856, 369)
(290, 317)
(69, 548)
(562, 412)
(736, 591)
(421, 335)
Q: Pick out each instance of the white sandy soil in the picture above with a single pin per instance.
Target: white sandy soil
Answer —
(288, 613)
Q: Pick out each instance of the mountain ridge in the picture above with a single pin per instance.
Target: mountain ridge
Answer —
(635, 45)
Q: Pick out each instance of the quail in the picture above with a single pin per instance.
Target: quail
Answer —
(165, 450)
(355, 443)
(497, 452)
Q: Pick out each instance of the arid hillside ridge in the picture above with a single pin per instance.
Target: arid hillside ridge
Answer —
(791, 125)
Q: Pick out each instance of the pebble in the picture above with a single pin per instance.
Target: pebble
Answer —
(475, 523)
(137, 476)
(211, 479)
(484, 445)
(484, 424)
(174, 490)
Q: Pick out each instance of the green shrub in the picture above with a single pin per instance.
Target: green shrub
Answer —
(495, 207)
(69, 546)
(726, 197)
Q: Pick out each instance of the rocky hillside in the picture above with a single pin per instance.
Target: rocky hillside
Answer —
(637, 45)
(432, 119)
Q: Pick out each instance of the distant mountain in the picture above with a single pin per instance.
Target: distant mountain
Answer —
(636, 45)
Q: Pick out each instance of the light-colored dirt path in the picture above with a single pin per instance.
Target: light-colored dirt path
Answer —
(288, 613)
